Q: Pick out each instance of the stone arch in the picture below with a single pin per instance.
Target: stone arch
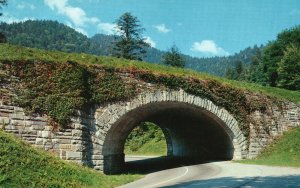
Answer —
(115, 121)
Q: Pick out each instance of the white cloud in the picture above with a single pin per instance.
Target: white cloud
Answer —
(24, 5)
(82, 31)
(107, 28)
(10, 19)
(78, 17)
(75, 14)
(209, 47)
(150, 41)
(162, 28)
(295, 12)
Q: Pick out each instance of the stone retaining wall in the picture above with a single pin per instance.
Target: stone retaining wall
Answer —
(83, 140)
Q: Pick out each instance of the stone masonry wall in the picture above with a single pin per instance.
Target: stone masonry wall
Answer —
(69, 144)
(268, 125)
(83, 141)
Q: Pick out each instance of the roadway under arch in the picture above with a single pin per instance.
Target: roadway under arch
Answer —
(190, 131)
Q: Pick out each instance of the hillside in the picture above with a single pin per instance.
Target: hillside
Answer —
(12, 53)
(58, 83)
(146, 139)
(24, 166)
(51, 35)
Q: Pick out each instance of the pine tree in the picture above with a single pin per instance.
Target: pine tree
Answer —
(173, 57)
(2, 3)
(2, 36)
(130, 44)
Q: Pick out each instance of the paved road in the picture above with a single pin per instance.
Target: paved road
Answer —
(221, 174)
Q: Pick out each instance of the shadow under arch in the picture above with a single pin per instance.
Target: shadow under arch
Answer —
(191, 131)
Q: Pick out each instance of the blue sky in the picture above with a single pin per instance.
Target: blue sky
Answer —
(201, 28)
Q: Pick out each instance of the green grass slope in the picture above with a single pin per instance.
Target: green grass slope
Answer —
(23, 166)
(146, 139)
(284, 151)
(12, 52)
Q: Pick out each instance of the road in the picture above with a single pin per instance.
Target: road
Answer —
(220, 174)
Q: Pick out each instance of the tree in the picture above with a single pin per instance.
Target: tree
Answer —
(173, 57)
(2, 36)
(274, 53)
(130, 44)
(236, 73)
(230, 74)
(239, 67)
(289, 69)
(2, 3)
(255, 71)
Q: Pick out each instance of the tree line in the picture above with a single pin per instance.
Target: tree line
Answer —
(2, 36)
(52, 35)
(276, 65)
(131, 45)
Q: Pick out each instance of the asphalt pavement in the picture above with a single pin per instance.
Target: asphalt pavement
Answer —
(211, 175)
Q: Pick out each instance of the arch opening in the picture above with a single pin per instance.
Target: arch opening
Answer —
(146, 139)
(190, 131)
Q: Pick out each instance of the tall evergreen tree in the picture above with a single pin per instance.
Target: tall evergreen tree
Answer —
(130, 44)
(173, 57)
(239, 67)
(2, 36)
(2, 3)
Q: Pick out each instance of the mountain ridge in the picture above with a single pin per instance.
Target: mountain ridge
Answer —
(52, 35)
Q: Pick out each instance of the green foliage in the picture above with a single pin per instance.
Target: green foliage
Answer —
(50, 35)
(289, 69)
(2, 36)
(173, 57)
(232, 99)
(277, 65)
(59, 89)
(284, 151)
(13, 53)
(130, 45)
(146, 139)
(255, 72)
(109, 87)
(274, 53)
(2, 3)
(23, 166)
(237, 73)
(91, 71)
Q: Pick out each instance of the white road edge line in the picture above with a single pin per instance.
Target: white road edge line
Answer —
(160, 183)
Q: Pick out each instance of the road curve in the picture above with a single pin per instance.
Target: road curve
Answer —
(221, 174)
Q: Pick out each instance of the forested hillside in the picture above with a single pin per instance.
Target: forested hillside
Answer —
(52, 35)
(277, 65)
(49, 35)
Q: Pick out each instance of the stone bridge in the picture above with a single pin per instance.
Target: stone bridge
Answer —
(193, 127)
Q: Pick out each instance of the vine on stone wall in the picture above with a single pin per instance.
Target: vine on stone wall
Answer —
(59, 89)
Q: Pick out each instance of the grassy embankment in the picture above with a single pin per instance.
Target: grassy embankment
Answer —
(12, 52)
(146, 139)
(284, 151)
(24, 166)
